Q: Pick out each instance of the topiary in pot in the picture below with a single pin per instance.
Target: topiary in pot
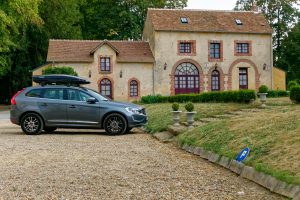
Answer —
(263, 89)
(190, 113)
(189, 107)
(263, 95)
(175, 106)
(176, 114)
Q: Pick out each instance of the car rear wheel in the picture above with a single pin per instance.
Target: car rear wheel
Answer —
(50, 129)
(115, 124)
(32, 124)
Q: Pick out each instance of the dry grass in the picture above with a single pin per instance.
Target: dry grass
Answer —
(273, 135)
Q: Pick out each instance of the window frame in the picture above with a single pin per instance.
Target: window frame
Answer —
(214, 43)
(213, 82)
(108, 64)
(183, 45)
(246, 74)
(134, 88)
(241, 42)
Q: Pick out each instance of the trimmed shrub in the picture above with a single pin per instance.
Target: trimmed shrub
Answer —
(241, 96)
(292, 84)
(295, 94)
(60, 70)
(175, 106)
(189, 107)
(263, 89)
(277, 93)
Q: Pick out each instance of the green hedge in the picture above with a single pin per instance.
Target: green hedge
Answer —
(295, 94)
(277, 93)
(242, 96)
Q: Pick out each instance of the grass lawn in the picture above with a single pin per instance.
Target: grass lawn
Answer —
(160, 115)
(272, 134)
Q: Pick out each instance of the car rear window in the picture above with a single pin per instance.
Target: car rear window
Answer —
(34, 93)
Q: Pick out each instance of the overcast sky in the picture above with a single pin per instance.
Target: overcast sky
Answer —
(211, 4)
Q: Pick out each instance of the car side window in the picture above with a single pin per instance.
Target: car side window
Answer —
(34, 93)
(54, 93)
(77, 95)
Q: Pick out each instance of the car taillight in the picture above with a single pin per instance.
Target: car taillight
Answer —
(13, 99)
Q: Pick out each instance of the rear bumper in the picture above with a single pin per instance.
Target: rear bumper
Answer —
(14, 116)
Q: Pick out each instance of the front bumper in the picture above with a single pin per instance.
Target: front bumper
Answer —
(137, 120)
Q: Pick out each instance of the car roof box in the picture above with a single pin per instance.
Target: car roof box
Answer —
(59, 79)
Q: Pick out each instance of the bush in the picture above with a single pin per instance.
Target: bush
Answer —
(60, 70)
(295, 94)
(263, 89)
(277, 93)
(175, 107)
(242, 96)
(189, 107)
(292, 84)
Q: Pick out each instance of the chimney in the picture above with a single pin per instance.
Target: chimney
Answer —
(254, 7)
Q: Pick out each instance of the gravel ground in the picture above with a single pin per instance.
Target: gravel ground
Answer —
(90, 165)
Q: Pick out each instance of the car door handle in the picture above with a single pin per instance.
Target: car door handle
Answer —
(72, 106)
(44, 104)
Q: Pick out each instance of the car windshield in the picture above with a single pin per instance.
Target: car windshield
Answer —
(97, 95)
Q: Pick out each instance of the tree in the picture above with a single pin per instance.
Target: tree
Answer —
(281, 14)
(289, 59)
(60, 70)
(119, 19)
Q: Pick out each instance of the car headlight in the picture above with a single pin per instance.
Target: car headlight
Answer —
(133, 110)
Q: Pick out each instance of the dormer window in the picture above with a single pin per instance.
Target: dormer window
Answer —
(184, 20)
(238, 22)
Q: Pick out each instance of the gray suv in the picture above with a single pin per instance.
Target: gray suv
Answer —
(50, 107)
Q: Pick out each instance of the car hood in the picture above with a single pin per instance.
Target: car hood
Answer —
(123, 104)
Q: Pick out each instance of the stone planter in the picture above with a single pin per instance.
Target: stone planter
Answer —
(190, 117)
(263, 99)
(176, 117)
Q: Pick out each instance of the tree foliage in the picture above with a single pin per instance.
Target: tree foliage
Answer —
(60, 70)
(119, 19)
(290, 54)
(281, 14)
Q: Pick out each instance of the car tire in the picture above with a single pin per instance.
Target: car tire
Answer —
(32, 124)
(115, 124)
(49, 129)
(128, 130)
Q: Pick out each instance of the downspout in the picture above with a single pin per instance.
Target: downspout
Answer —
(271, 62)
(153, 76)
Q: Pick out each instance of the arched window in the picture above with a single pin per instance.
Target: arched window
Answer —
(106, 87)
(186, 79)
(215, 80)
(134, 88)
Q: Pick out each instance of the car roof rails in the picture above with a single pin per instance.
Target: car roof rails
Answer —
(59, 79)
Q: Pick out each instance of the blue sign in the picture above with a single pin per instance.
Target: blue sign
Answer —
(243, 155)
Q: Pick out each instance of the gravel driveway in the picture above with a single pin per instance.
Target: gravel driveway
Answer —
(90, 165)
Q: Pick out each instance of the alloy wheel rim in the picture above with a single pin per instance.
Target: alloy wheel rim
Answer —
(115, 124)
(31, 124)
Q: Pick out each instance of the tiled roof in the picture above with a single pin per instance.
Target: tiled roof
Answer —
(82, 51)
(208, 21)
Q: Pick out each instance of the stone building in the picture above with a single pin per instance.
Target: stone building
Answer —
(182, 51)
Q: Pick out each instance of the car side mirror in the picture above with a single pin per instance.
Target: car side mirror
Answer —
(91, 100)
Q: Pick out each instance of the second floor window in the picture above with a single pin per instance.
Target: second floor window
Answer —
(185, 47)
(215, 50)
(105, 64)
(242, 47)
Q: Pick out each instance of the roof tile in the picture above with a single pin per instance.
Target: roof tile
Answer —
(208, 21)
(79, 51)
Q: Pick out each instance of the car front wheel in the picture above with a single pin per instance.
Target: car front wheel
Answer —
(115, 124)
(32, 124)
